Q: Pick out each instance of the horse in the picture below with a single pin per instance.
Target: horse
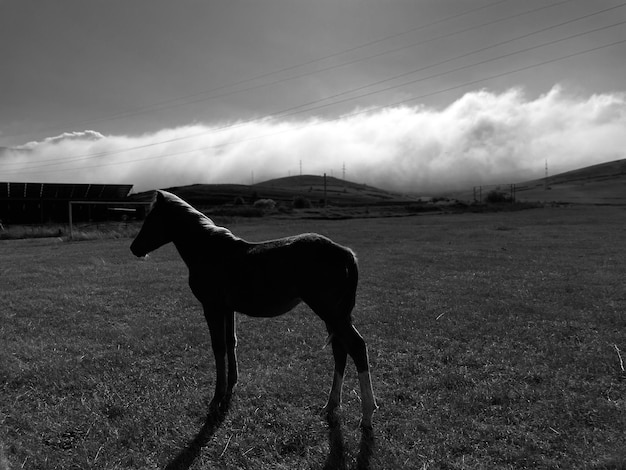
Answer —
(262, 279)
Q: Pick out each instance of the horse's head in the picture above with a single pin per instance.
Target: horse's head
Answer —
(155, 231)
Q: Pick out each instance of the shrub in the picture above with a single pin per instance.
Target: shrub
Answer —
(265, 204)
(300, 202)
(497, 196)
(284, 208)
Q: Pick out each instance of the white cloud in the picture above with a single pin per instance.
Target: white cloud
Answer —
(481, 138)
(65, 137)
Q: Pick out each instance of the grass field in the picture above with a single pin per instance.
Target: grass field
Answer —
(496, 341)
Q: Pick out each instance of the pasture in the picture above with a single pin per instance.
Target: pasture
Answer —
(496, 341)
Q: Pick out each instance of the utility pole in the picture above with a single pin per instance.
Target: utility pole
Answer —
(324, 189)
(545, 181)
(343, 170)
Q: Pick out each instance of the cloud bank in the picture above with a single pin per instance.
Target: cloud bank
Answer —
(482, 138)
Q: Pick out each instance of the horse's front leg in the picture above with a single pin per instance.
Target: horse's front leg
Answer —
(216, 319)
(230, 331)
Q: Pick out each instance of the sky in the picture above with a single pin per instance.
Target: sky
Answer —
(409, 95)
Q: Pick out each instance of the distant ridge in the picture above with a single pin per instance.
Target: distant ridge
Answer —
(302, 181)
(338, 192)
(604, 183)
(602, 171)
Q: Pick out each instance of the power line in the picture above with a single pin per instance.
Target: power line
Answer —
(164, 104)
(350, 62)
(437, 75)
(404, 101)
(296, 109)
(288, 112)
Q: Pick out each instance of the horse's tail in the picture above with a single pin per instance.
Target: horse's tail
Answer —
(352, 270)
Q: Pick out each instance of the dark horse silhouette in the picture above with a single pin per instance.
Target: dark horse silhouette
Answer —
(266, 279)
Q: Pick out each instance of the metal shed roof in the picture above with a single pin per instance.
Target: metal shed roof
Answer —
(73, 192)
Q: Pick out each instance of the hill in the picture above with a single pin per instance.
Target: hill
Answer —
(338, 192)
(604, 183)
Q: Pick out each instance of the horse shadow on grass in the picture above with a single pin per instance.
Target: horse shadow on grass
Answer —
(189, 454)
(336, 459)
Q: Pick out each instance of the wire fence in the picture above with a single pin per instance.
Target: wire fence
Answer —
(495, 193)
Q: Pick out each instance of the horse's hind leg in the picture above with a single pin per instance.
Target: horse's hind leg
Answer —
(217, 328)
(340, 355)
(356, 347)
(231, 352)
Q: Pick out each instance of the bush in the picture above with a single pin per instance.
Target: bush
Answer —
(300, 202)
(494, 197)
(266, 205)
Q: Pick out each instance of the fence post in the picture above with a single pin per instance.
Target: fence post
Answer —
(69, 204)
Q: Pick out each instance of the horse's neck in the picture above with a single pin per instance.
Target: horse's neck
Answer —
(197, 239)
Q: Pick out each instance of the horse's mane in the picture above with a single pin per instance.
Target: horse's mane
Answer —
(181, 209)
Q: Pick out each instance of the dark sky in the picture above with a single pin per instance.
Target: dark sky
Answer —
(142, 67)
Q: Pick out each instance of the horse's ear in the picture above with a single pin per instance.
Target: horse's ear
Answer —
(159, 196)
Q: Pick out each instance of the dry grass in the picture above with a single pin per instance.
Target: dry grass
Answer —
(492, 340)
(82, 231)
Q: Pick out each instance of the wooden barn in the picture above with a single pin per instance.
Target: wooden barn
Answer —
(39, 203)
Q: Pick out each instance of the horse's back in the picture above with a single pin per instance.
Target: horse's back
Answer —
(307, 254)
(273, 276)
(322, 272)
